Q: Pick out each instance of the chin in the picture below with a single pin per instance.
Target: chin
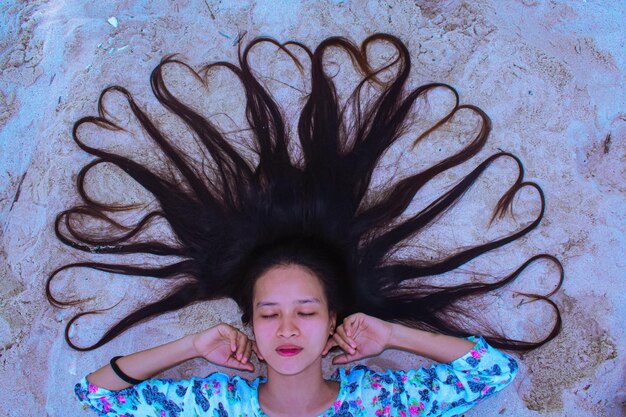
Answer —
(292, 365)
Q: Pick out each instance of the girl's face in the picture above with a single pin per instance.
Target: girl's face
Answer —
(291, 321)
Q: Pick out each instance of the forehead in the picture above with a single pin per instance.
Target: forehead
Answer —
(288, 285)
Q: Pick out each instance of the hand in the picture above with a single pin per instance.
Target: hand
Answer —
(359, 336)
(226, 346)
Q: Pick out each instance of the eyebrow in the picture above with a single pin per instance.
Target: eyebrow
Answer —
(303, 301)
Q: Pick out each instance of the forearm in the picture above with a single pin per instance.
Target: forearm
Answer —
(145, 364)
(438, 347)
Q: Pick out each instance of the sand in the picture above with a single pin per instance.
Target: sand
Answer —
(550, 74)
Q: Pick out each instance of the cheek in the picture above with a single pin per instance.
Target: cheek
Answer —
(261, 332)
(319, 329)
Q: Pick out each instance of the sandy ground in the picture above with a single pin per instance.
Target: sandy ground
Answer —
(549, 73)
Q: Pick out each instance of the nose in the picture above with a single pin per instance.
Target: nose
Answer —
(288, 328)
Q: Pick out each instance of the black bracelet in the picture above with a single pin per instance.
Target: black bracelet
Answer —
(121, 374)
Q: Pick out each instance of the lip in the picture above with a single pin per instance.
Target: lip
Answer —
(288, 350)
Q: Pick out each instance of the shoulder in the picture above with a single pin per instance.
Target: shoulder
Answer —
(228, 390)
(364, 373)
(365, 391)
(360, 379)
(439, 388)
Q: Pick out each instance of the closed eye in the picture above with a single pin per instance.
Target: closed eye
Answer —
(271, 316)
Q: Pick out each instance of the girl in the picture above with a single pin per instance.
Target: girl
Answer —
(299, 237)
(293, 322)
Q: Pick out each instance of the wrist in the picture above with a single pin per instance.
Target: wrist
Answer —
(188, 343)
(399, 339)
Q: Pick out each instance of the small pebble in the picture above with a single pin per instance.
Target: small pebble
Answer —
(113, 21)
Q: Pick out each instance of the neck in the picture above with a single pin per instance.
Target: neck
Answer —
(308, 393)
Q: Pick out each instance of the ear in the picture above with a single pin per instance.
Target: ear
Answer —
(333, 322)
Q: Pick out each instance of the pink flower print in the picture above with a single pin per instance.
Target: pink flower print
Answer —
(231, 387)
(402, 413)
(92, 388)
(459, 384)
(383, 411)
(106, 406)
(216, 385)
(414, 410)
(475, 354)
(487, 388)
(337, 405)
(162, 413)
(375, 399)
(121, 399)
(376, 385)
(404, 378)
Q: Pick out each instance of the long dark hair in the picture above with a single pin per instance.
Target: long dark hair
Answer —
(241, 202)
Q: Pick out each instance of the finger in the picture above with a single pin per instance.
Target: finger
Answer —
(255, 349)
(235, 364)
(343, 358)
(346, 343)
(330, 343)
(245, 364)
(343, 341)
(339, 359)
(247, 352)
(348, 325)
(343, 344)
(231, 335)
(352, 325)
(349, 338)
(348, 357)
(241, 345)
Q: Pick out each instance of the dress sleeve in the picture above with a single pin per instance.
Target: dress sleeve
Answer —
(452, 388)
(155, 397)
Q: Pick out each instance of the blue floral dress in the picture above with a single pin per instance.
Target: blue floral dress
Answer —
(440, 390)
